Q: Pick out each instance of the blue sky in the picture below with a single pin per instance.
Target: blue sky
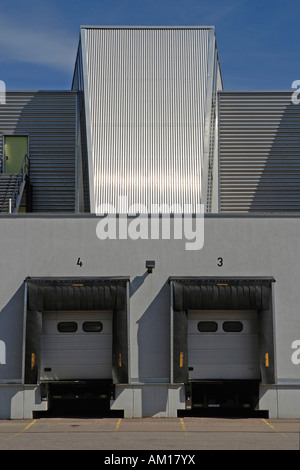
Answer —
(258, 41)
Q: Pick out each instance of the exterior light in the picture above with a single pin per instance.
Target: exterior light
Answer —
(150, 265)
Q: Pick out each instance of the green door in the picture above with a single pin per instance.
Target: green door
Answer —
(16, 147)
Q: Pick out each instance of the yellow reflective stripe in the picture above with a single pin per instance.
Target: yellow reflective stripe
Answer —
(267, 359)
(181, 360)
(32, 360)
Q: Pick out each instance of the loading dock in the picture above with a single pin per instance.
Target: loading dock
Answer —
(76, 337)
(76, 345)
(222, 345)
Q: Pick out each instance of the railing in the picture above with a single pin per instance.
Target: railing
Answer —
(6, 193)
(23, 174)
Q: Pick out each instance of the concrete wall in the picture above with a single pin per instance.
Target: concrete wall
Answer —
(43, 245)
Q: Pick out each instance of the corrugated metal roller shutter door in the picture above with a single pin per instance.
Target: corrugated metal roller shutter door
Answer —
(79, 354)
(226, 347)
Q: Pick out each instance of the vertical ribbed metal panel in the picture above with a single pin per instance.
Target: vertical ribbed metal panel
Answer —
(49, 120)
(82, 150)
(211, 176)
(147, 91)
(259, 152)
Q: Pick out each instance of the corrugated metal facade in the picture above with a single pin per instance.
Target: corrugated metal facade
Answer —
(259, 152)
(82, 152)
(148, 95)
(49, 120)
(210, 180)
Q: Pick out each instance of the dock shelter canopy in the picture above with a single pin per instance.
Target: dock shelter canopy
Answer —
(76, 294)
(212, 293)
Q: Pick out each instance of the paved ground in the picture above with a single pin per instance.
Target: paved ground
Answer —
(116, 434)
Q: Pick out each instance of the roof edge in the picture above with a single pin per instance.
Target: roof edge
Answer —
(142, 27)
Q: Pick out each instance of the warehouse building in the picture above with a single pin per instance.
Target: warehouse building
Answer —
(151, 228)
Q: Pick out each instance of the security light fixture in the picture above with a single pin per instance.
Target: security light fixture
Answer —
(150, 265)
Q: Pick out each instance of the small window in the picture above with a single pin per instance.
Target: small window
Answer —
(233, 326)
(67, 327)
(207, 326)
(92, 326)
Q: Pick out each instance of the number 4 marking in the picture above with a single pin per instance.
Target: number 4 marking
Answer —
(79, 262)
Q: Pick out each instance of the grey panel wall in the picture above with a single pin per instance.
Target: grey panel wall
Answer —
(148, 95)
(49, 119)
(259, 145)
(251, 246)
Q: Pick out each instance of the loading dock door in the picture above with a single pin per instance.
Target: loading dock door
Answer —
(223, 345)
(76, 346)
(65, 296)
(229, 294)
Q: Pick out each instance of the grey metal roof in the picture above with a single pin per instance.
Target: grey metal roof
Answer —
(143, 27)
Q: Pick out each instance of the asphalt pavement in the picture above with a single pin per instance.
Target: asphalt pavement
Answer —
(180, 435)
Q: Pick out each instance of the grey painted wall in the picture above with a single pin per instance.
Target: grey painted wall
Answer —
(249, 246)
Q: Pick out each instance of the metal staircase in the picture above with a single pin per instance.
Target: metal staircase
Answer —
(7, 188)
(12, 187)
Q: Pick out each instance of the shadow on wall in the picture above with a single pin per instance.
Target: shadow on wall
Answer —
(278, 186)
(153, 347)
(11, 336)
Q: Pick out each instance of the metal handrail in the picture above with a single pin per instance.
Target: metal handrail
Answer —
(4, 200)
(24, 171)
